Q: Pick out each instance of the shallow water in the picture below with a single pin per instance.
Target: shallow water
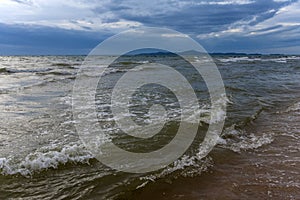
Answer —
(41, 155)
(270, 171)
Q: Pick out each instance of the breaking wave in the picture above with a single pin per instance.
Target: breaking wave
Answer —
(45, 158)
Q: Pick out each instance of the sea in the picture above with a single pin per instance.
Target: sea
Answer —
(257, 155)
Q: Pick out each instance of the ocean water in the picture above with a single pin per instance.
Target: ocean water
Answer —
(257, 156)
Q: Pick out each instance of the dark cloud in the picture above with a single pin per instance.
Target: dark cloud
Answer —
(45, 40)
(198, 18)
(278, 37)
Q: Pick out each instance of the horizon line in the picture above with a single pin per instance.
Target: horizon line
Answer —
(210, 53)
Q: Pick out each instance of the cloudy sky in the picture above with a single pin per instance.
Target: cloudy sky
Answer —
(77, 26)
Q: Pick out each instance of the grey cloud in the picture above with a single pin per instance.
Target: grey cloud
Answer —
(192, 17)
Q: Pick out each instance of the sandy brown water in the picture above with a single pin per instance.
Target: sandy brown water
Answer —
(269, 172)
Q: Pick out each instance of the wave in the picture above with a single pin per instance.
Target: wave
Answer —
(133, 62)
(245, 58)
(12, 71)
(45, 158)
(57, 73)
(238, 59)
(186, 166)
(54, 156)
(62, 65)
(75, 153)
(294, 107)
(190, 166)
(238, 140)
(113, 71)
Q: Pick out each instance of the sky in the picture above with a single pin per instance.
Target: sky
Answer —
(72, 27)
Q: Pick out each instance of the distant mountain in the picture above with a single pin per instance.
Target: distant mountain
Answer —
(191, 53)
(235, 54)
(155, 54)
(147, 51)
(160, 52)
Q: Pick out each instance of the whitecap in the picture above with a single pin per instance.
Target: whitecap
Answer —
(45, 158)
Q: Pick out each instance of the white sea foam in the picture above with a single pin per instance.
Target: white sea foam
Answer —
(143, 62)
(294, 107)
(282, 59)
(143, 67)
(252, 142)
(238, 59)
(245, 58)
(187, 166)
(45, 158)
(238, 140)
